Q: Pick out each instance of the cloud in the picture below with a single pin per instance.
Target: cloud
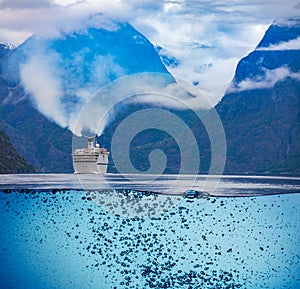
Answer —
(50, 19)
(207, 37)
(14, 37)
(293, 44)
(154, 88)
(60, 86)
(206, 54)
(39, 78)
(21, 4)
(180, 95)
(268, 80)
(103, 69)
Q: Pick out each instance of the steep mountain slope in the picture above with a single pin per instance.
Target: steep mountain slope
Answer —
(43, 143)
(260, 112)
(261, 109)
(45, 81)
(10, 160)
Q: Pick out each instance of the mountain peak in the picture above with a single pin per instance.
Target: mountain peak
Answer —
(275, 58)
(280, 32)
(5, 48)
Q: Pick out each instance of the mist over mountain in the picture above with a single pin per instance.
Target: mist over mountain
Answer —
(45, 82)
(61, 73)
(260, 112)
(275, 58)
(279, 33)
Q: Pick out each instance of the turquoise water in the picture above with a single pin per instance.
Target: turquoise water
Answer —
(68, 239)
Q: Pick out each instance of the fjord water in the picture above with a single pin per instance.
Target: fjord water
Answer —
(69, 238)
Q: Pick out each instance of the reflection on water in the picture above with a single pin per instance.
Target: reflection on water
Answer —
(54, 238)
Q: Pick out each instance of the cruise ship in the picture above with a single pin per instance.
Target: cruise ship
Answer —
(90, 160)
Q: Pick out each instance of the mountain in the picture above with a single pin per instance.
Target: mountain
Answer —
(86, 59)
(261, 110)
(45, 81)
(11, 161)
(260, 113)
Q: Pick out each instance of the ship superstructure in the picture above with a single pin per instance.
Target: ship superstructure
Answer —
(90, 160)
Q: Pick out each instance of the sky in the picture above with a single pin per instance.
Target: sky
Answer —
(206, 37)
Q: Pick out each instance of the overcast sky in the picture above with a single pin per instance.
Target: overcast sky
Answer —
(207, 37)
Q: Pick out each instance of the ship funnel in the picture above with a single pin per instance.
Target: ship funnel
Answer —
(90, 141)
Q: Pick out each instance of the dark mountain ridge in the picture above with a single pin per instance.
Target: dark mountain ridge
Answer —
(262, 124)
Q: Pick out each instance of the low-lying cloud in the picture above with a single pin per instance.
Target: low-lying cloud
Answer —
(207, 37)
(268, 80)
(293, 44)
(154, 88)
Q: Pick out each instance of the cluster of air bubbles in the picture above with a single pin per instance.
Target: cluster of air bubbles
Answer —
(139, 203)
(133, 203)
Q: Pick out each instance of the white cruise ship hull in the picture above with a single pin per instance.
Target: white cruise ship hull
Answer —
(88, 168)
(90, 163)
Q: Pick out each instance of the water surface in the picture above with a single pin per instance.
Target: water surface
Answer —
(60, 237)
